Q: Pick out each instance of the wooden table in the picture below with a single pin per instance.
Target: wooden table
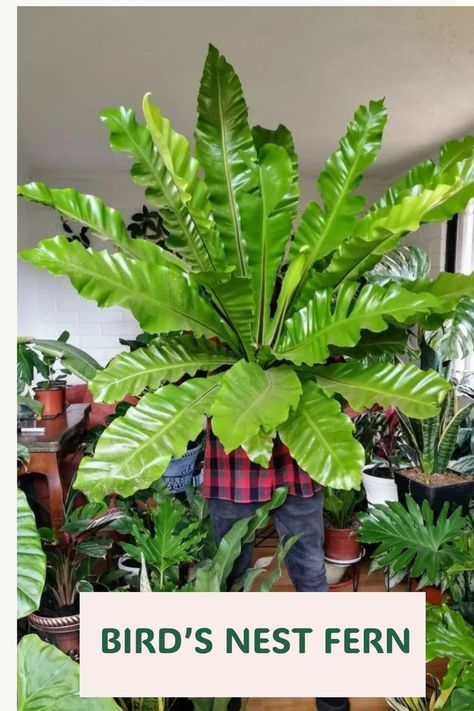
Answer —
(62, 435)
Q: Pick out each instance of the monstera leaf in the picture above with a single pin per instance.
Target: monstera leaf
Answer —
(455, 338)
(31, 560)
(135, 449)
(403, 264)
(48, 679)
(319, 436)
(166, 359)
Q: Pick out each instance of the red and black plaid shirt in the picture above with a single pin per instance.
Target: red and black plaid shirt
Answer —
(235, 478)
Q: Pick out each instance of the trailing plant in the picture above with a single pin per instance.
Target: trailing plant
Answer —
(340, 506)
(268, 303)
(48, 679)
(409, 539)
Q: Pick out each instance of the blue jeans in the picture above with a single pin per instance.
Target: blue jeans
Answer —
(304, 561)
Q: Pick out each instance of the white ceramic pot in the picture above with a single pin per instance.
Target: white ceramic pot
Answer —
(378, 489)
(334, 573)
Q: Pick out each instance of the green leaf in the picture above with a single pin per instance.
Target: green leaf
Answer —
(447, 288)
(448, 439)
(374, 347)
(135, 449)
(455, 338)
(281, 136)
(403, 264)
(161, 299)
(319, 437)
(103, 221)
(380, 231)
(324, 230)
(48, 679)
(259, 447)
(225, 149)
(73, 359)
(418, 393)
(283, 547)
(213, 577)
(266, 222)
(464, 465)
(166, 359)
(31, 560)
(327, 320)
(199, 240)
(408, 537)
(449, 635)
(128, 136)
(264, 400)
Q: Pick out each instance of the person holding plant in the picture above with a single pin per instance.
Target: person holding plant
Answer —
(235, 486)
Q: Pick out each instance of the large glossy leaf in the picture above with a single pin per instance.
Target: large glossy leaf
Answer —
(251, 398)
(48, 679)
(135, 449)
(281, 136)
(225, 149)
(323, 230)
(449, 635)
(161, 299)
(31, 560)
(418, 393)
(380, 231)
(200, 239)
(403, 264)
(338, 319)
(376, 347)
(105, 222)
(455, 338)
(409, 537)
(73, 359)
(319, 437)
(166, 359)
(193, 237)
(259, 447)
(267, 225)
(448, 288)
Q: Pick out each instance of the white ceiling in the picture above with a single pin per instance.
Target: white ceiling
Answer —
(306, 67)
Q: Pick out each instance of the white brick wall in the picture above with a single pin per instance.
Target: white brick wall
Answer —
(48, 305)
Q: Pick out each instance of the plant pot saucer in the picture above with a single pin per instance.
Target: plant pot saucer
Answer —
(346, 562)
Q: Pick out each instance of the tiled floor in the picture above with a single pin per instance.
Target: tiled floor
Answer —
(368, 583)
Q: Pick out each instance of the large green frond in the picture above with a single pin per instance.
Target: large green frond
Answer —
(324, 229)
(264, 400)
(161, 299)
(326, 320)
(319, 437)
(188, 221)
(281, 136)
(105, 222)
(225, 149)
(166, 359)
(418, 393)
(134, 451)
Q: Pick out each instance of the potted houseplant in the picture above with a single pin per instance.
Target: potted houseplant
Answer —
(379, 432)
(438, 554)
(340, 539)
(71, 554)
(278, 301)
(431, 444)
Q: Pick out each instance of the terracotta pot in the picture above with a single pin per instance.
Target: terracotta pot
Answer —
(341, 544)
(434, 596)
(63, 632)
(54, 401)
(346, 582)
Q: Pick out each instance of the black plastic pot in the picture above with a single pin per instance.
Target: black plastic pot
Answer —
(456, 494)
